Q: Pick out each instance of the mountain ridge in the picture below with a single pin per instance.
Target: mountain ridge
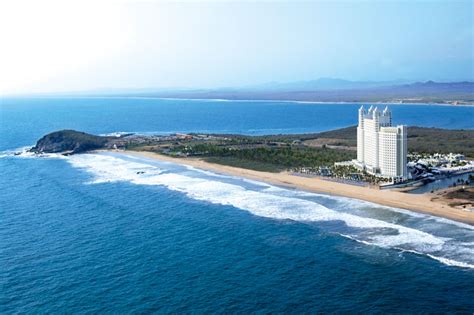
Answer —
(320, 90)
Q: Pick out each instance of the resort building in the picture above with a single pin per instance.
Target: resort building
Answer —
(381, 148)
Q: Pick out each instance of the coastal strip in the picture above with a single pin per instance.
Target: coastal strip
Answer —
(416, 202)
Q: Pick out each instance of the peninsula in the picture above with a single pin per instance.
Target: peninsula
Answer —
(282, 160)
(328, 90)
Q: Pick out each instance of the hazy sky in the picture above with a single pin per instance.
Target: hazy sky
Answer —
(81, 45)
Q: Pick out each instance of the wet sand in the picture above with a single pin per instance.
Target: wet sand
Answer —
(416, 202)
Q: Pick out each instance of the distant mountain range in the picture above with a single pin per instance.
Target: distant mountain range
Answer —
(324, 84)
(336, 90)
(320, 90)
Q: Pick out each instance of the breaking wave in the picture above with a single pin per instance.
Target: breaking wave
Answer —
(454, 248)
(446, 241)
(24, 152)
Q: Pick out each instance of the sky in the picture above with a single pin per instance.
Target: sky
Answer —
(67, 45)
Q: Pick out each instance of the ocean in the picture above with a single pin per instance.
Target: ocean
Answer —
(91, 233)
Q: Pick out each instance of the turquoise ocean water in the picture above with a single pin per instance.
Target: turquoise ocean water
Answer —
(87, 234)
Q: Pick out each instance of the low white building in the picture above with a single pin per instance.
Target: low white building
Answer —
(381, 148)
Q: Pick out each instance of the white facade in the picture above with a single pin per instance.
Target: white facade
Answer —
(381, 148)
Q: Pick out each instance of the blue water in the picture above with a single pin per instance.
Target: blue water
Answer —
(87, 234)
(30, 119)
(440, 184)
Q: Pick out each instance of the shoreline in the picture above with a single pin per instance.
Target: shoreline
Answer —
(240, 100)
(421, 203)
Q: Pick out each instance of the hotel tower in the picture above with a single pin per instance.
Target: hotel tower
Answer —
(381, 148)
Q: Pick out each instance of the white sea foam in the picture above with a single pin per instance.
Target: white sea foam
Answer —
(108, 169)
(351, 203)
(24, 153)
(19, 152)
(115, 134)
(451, 262)
(192, 168)
(271, 204)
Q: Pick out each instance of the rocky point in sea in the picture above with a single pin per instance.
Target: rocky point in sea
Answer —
(70, 142)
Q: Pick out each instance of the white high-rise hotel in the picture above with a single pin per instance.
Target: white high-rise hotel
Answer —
(381, 148)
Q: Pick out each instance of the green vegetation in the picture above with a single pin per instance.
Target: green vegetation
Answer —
(421, 140)
(434, 140)
(268, 158)
(461, 193)
(352, 173)
(462, 197)
(308, 153)
(247, 164)
(69, 141)
(347, 135)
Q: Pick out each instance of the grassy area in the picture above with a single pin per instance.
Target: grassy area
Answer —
(275, 153)
(462, 193)
(460, 197)
(434, 140)
(280, 157)
(247, 164)
(421, 140)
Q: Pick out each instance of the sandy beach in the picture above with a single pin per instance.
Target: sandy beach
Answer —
(415, 202)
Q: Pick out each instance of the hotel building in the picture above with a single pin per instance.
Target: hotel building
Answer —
(381, 148)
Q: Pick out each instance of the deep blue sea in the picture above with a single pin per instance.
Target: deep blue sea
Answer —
(91, 233)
